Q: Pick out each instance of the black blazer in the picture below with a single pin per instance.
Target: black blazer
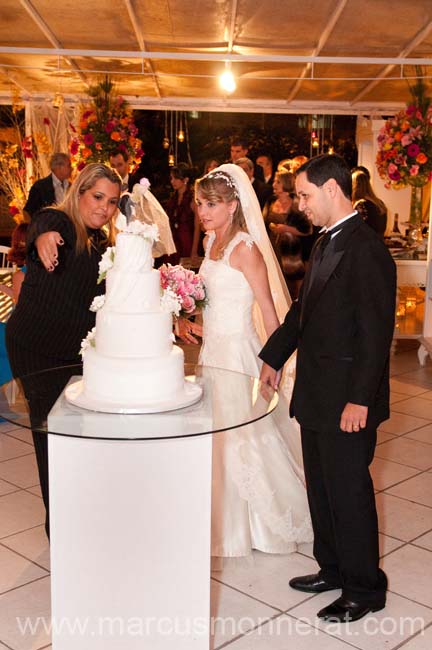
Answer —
(41, 194)
(263, 191)
(342, 327)
(132, 180)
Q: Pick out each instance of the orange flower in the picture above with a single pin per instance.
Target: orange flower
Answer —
(421, 158)
(398, 136)
(86, 152)
(115, 135)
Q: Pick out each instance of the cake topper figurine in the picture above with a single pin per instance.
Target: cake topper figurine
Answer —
(127, 207)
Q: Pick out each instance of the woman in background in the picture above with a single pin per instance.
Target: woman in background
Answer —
(181, 212)
(289, 231)
(367, 204)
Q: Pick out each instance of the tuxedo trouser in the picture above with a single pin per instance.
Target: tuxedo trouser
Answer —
(41, 392)
(343, 511)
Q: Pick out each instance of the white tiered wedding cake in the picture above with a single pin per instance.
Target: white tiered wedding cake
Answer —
(129, 361)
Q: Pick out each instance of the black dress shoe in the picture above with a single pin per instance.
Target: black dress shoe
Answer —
(346, 611)
(312, 583)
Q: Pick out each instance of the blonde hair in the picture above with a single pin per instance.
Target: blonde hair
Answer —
(70, 205)
(288, 181)
(220, 187)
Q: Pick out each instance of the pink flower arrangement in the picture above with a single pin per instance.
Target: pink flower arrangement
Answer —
(405, 146)
(187, 286)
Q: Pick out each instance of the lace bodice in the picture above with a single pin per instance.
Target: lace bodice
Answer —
(230, 297)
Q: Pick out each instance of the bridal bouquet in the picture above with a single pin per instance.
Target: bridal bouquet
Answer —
(183, 290)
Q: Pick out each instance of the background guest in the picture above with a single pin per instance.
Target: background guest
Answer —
(209, 165)
(262, 190)
(119, 160)
(181, 212)
(288, 229)
(367, 204)
(50, 190)
(265, 161)
(239, 148)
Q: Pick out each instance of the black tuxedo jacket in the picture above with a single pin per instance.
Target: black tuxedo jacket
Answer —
(41, 194)
(342, 326)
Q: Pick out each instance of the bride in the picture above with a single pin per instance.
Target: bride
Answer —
(258, 493)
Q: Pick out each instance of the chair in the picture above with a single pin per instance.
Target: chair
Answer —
(4, 263)
(6, 305)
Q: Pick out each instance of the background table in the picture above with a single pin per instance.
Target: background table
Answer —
(130, 495)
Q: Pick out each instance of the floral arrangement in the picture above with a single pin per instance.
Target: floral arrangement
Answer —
(14, 177)
(183, 290)
(106, 124)
(405, 143)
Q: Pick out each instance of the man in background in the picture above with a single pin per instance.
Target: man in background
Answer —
(51, 189)
(265, 161)
(239, 149)
(262, 190)
(119, 160)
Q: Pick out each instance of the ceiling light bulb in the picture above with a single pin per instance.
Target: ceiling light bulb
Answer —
(227, 81)
(181, 136)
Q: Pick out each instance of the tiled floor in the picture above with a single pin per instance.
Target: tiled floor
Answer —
(252, 605)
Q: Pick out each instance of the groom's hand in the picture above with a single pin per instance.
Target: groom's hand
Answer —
(270, 376)
(354, 417)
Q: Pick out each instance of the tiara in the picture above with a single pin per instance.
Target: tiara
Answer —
(227, 178)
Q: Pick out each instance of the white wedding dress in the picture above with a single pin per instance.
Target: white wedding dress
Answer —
(258, 494)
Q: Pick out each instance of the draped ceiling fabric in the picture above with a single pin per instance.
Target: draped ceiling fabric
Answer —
(307, 56)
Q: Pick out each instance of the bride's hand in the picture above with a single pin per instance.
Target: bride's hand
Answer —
(270, 376)
(186, 330)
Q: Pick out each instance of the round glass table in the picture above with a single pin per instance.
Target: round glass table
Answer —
(130, 509)
(240, 400)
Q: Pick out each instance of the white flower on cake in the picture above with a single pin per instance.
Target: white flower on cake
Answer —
(136, 227)
(98, 302)
(88, 341)
(106, 263)
(170, 302)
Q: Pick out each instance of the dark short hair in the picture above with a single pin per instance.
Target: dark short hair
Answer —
(119, 152)
(320, 169)
(182, 170)
(239, 142)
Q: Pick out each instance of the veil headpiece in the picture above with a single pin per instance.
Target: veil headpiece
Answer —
(141, 204)
(257, 230)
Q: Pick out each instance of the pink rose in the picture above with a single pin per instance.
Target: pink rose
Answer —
(188, 304)
(178, 274)
(199, 293)
(414, 170)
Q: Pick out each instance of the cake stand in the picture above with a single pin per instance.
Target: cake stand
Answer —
(130, 509)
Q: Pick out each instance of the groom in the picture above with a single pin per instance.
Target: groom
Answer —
(342, 327)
